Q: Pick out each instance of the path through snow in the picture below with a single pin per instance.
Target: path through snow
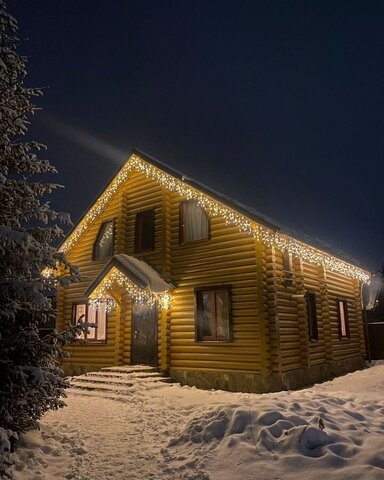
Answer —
(183, 433)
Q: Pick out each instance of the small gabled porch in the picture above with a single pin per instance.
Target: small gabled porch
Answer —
(139, 298)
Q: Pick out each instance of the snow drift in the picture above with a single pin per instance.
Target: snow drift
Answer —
(333, 430)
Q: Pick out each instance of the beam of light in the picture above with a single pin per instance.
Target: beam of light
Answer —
(83, 139)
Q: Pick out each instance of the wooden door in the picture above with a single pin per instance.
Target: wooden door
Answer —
(376, 340)
(144, 334)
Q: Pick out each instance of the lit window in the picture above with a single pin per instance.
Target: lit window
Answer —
(312, 316)
(194, 222)
(342, 311)
(83, 312)
(212, 314)
(287, 269)
(103, 247)
(144, 231)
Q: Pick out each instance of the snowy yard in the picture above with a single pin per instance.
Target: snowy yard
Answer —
(172, 432)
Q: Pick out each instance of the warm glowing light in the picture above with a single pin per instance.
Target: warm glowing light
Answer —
(213, 208)
(47, 272)
(114, 279)
(99, 301)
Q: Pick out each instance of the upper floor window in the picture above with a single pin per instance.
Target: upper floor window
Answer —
(342, 312)
(212, 314)
(145, 231)
(82, 312)
(287, 268)
(194, 223)
(312, 316)
(103, 247)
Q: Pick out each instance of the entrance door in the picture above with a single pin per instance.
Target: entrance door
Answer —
(376, 340)
(144, 334)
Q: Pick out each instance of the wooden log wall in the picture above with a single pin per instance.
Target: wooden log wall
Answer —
(296, 350)
(269, 316)
(270, 282)
(142, 194)
(287, 315)
(312, 281)
(340, 287)
(102, 354)
(228, 258)
(139, 194)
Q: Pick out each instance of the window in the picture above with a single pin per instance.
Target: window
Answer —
(103, 247)
(342, 312)
(212, 314)
(82, 312)
(312, 316)
(287, 269)
(144, 231)
(194, 223)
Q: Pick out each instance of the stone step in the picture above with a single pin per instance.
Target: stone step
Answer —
(132, 375)
(122, 389)
(101, 381)
(130, 369)
(118, 381)
(100, 394)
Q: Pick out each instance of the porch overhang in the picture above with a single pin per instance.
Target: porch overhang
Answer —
(136, 277)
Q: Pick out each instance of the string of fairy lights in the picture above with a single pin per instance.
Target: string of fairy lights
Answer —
(115, 278)
(214, 208)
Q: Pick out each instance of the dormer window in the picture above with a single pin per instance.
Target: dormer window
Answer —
(103, 247)
(194, 223)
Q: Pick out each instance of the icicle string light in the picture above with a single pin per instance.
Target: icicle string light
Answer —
(114, 279)
(215, 209)
(97, 302)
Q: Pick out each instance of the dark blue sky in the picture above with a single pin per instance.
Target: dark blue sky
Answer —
(278, 104)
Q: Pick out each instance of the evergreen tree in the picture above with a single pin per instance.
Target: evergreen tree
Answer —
(31, 380)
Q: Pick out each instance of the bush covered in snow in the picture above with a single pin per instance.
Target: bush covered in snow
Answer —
(31, 380)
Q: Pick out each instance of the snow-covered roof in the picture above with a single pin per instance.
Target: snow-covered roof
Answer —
(250, 212)
(312, 249)
(142, 274)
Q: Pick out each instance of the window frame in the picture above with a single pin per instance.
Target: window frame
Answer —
(97, 238)
(344, 301)
(86, 340)
(287, 273)
(198, 319)
(181, 226)
(136, 248)
(310, 320)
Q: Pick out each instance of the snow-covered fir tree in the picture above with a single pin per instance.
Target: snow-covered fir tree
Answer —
(31, 381)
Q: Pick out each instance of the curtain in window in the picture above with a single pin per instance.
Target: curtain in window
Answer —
(80, 316)
(91, 335)
(344, 332)
(222, 314)
(208, 307)
(212, 315)
(195, 222)
(101, 321)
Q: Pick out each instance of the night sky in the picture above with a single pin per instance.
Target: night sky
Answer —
(278, 104)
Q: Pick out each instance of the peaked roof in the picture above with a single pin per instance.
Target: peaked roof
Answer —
(230, 202)
(248, 211)
(139, 272)
(243, 216)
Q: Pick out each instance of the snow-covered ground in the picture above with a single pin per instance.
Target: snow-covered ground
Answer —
(172, 432)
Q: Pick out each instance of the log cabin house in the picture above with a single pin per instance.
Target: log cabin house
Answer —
(178, 276)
